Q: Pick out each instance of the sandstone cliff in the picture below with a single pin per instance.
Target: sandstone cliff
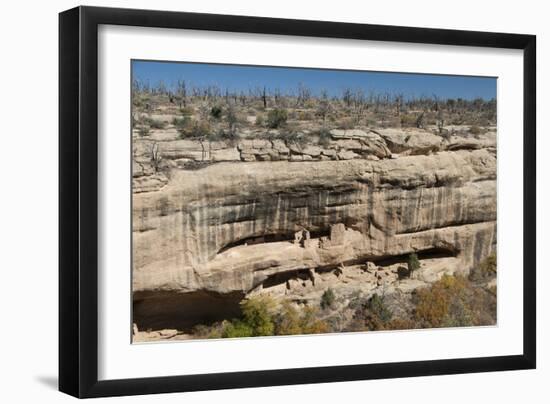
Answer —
(231, 226)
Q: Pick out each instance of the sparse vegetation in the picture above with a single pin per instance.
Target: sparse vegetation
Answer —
(260, 120)
(232, 120)
(262, 317)
(327, 299)
(154, 123)
(371, 314)
(324, 137)
(453, 302)
(216, 112)
(276, 118)
(476, 130)
(191, 128)
(187, 111)
(143, 130)
(182, 122)
(299, 112)
(293, 321)
(487, 269)
(155, 156)
(257, 319)
(413, 263)
(186, 127)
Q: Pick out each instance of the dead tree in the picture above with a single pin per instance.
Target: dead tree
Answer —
(232, 119)
(181, 93)
(440, 122)
(277, 96)
(359, 106)
(398, 100)
(347, 96)
(304, 94)
(155, 156)
(420, 121)
(324, 106)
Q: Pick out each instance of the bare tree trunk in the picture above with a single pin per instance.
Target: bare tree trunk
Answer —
(203, 153)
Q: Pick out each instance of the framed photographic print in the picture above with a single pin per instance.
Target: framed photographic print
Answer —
(251, 201)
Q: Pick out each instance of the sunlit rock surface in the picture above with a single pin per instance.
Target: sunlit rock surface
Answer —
(238, 226)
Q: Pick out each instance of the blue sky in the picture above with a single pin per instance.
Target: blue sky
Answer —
(236, 77)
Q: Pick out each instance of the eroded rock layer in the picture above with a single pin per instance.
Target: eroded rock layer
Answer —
(236, 227)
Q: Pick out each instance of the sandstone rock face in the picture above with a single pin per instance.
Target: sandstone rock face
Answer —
(411, 142)
(229, 228)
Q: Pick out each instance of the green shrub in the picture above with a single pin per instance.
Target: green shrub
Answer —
(324, 137)
(257, 319)
(413, 263)
(288, 320)
(276, 118)
(257, 314)
(144, 130)
(346, 123)
(232, 119)
(453, 301)
(433, 304)
(306, 116)
(327, 299)
(155, 123)
(181, 122)
(372, 123)
(187, 111)
(216, 112)
(237, 329)
(476, 130)
(408, 120)
(372, 314)
(486, 269)
(209, 331)
(489, 264)
(260, 120)
(310, 324)
(262, 317)
(194, 129)
(222, 135)
(378, 308)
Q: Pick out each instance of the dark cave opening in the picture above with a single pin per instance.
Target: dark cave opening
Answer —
(157, 310)
(429, 253)
(284, 277)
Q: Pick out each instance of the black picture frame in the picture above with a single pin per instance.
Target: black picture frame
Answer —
(78, 201)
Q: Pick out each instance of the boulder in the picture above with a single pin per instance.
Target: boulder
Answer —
(280, 146)
(411, 142)
(329, 153)
(348, 133)
(310, 150)
(261, 144)
(347, 155)
(295, 148)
